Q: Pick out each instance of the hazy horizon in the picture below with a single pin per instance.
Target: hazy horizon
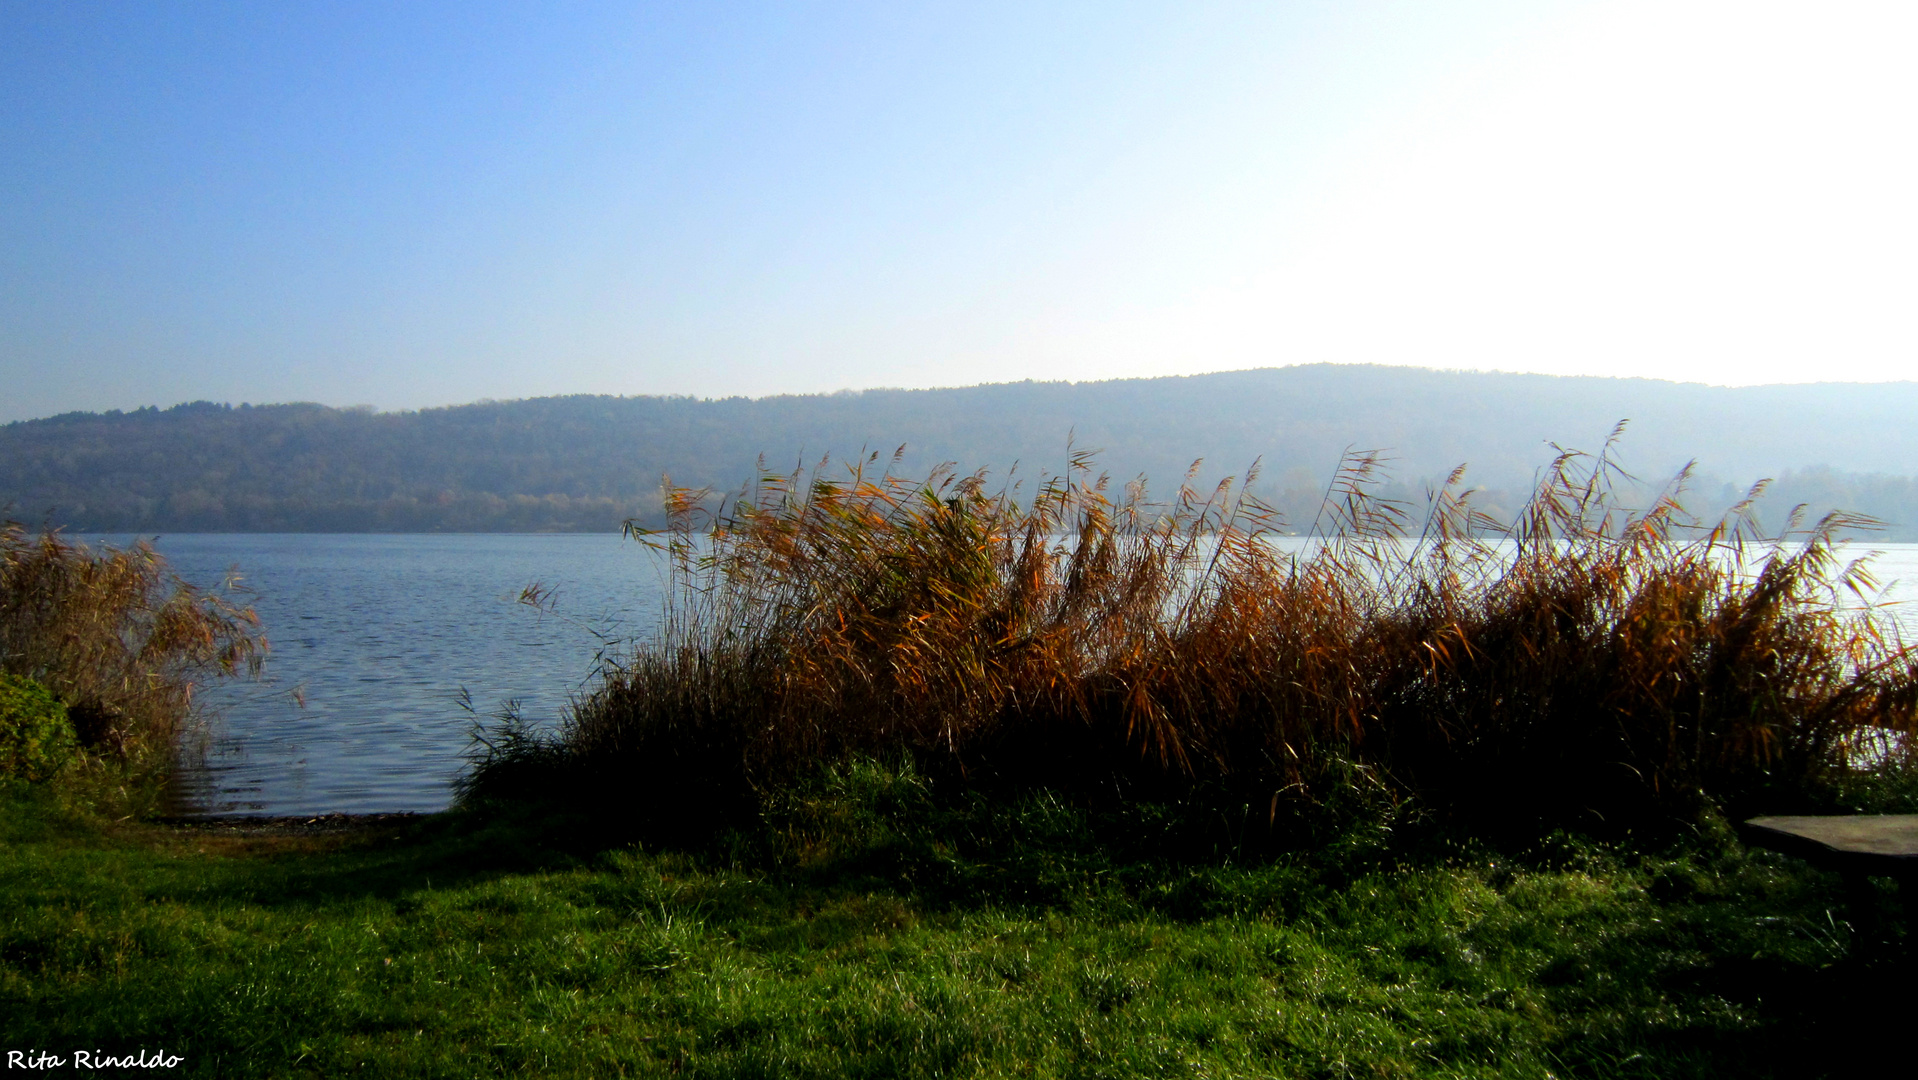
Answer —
(855, 390)
(586, 462)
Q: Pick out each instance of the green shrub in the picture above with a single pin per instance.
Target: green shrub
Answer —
(36, 738)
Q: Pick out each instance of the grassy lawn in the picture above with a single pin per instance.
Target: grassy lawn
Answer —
(865, 930)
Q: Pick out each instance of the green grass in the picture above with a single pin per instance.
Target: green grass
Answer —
(867, 927)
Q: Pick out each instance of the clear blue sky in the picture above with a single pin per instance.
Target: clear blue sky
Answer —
(426, 203)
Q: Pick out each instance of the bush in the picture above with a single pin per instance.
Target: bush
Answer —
(117, 638)
(36, 738)
(1584, 665)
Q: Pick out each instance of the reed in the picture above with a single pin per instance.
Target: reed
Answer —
(118, 639)
(1582, 664)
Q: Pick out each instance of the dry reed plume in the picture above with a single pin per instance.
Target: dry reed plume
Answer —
(118, 638)
(1583, 663)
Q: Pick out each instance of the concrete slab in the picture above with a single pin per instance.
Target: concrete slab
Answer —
(1862, 843)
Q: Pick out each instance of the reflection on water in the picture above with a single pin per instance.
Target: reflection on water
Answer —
(374, 638)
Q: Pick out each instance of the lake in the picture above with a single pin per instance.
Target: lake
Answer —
(374, 638)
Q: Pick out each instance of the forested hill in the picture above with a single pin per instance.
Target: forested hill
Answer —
(588, 463)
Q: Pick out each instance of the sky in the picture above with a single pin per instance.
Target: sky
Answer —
(408, 205)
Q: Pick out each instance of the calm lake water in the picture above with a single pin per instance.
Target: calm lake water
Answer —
(375, 638)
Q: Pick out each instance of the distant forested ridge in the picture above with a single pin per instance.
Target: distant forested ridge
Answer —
(587, 463)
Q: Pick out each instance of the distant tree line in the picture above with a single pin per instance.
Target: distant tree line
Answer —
(588, 463)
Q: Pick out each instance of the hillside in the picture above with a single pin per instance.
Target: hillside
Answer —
(590, 462)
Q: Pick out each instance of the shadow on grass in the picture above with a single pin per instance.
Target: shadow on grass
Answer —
(524, 939)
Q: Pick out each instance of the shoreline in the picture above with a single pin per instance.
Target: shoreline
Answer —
(254, 825)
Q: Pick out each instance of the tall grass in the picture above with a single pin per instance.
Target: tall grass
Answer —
(1584, 663)
(118, 638)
